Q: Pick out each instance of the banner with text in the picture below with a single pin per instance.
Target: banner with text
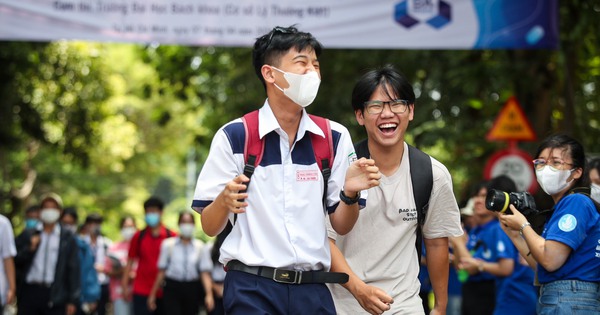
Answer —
(387, 24)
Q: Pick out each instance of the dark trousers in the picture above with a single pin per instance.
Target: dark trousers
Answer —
(104, 296)
(218, 310)
(182, 298)
(140, 306)
(35, 300)
(479, 298)
(247, 294)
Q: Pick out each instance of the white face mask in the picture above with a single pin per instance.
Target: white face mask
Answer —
(128, 232)
(595, 194)
(553, 182)
(187, 230)
(49, 215)
(302, 88)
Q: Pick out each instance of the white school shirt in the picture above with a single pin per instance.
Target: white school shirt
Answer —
(284, 223)
(180, 261)
(217, 273)
(44, 263)
(380, 249)
(7, 249)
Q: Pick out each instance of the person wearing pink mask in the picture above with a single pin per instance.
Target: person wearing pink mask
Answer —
(279, 241)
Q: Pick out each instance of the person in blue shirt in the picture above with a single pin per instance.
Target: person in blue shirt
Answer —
(567, 253)
(90, 287)
(498, 283)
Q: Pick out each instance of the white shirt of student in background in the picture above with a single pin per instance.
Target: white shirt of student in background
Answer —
(7, 249)
(180, 261)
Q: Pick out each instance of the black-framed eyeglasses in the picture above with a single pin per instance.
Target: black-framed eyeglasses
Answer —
(278, 29)
(555, 165)
(396, 106)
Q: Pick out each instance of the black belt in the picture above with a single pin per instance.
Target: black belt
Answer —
(289, 276)
(39, 284)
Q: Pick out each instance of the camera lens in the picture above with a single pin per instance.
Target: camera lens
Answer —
(497, 200)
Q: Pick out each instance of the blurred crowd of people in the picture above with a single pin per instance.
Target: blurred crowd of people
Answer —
(60, 265)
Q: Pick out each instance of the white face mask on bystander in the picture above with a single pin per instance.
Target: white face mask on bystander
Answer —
(49, 215)
(595, 194)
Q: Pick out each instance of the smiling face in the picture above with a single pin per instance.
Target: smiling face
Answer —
(386, 128)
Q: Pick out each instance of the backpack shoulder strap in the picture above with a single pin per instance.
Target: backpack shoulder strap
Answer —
(421, 176)
(254, 146)
(323, 147)
(362, 149)
(323, 150)
(139, 242)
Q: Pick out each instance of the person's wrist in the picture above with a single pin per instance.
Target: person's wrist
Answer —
(523, 226)
(350, 198)
(481, 266)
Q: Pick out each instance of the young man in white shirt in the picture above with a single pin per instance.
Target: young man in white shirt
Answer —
(277, 254)
(7, 263)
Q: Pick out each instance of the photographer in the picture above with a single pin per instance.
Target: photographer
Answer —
(566, 254)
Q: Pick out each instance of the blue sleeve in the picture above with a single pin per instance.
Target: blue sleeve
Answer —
(504, 246)
(571, 221)
(90, 287)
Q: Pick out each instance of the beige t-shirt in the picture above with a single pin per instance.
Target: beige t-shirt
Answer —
(380, 249)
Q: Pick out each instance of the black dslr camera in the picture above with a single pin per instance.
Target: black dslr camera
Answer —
(499, 201)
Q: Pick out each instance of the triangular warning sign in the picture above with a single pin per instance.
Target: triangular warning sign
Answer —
(511, 124)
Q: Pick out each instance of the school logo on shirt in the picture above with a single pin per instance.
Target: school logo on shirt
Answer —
(487, 254)
(307, 175)
(352, 157)
(501, 247)
(567, 223)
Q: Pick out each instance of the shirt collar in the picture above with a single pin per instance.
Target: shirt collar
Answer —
(268, 122)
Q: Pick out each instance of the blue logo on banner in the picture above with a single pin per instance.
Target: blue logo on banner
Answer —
(422, 10)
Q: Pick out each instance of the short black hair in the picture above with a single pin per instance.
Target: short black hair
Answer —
(269, 48)
(72, 211)
(393, 82)
(594, 164)
(154, 202)
(94, 218)
(33, 208)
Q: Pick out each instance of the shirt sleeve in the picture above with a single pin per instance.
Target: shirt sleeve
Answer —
(443, 217)
(206, 264)
(220, 167)
(133, 246)
(7, 238)
(571, 220)
(344, 156)
(163, 258)
(504, 246)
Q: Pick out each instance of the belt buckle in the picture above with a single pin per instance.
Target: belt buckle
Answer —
(287, 276)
